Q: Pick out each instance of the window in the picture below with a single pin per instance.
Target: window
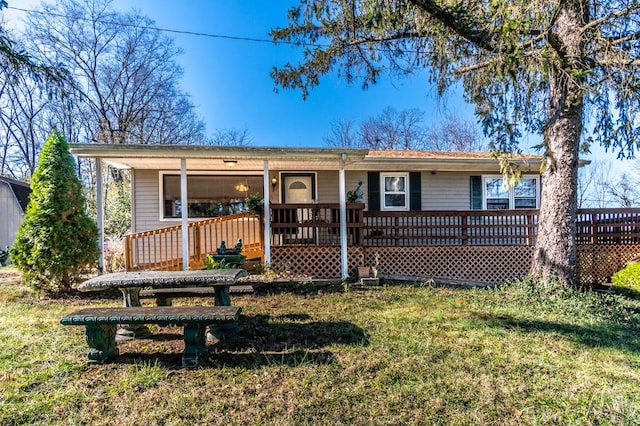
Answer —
(207, 195)
(496, 196)
(524, 195)
(395, 191)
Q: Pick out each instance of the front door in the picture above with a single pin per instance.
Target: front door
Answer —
(298, 188)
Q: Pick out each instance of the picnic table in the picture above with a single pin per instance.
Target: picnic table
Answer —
(131, 283)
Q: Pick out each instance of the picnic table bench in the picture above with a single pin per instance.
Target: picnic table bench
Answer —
(131, 284)
(101, 326)
(102, 330)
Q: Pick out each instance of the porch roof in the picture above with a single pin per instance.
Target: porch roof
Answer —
(251, 158)
(200, 157)
(442, 161)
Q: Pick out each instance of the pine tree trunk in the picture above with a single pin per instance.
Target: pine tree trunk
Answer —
(555, 251)
(554, 258)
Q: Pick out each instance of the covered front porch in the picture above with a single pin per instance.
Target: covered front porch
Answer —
(174, 186)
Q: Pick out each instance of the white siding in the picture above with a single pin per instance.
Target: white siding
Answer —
(11, 216)
(327, 187)
(327, 190)
(440, 191)
(147, 201)
(446, 191)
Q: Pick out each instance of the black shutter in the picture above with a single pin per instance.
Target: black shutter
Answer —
(476, 192)
(415, 191)
(373, 189)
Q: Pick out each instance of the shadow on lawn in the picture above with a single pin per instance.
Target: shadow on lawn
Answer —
(612, 335)
(299, 331)
(288, 340)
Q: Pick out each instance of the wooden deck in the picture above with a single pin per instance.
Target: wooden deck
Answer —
(306, 237)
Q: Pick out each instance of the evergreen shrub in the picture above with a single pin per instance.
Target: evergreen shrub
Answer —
(57, 241)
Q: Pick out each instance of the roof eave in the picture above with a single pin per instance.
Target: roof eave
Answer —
(215, 152)
(443, 164)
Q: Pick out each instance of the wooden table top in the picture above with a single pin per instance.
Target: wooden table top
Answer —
(158, 279)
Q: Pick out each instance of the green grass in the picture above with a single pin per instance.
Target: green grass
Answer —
(390, 355)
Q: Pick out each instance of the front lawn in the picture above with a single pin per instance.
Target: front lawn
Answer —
(388, 355)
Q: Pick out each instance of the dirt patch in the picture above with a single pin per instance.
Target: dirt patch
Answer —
(9, 273)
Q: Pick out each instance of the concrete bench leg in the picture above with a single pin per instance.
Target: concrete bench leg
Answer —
(131, 297)
(221, 331)
(194, 344)
(102, 343)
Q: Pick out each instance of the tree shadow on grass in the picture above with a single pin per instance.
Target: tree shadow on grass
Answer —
(609, 335)
(275, 333)
(263, 340)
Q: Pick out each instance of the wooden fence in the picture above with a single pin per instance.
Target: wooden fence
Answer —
(489, 246)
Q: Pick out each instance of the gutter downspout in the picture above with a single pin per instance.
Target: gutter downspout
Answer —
(184, 210)
(343, 219)
(266, 214)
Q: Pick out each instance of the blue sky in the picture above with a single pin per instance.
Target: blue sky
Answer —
(230, 83)
(231, 87)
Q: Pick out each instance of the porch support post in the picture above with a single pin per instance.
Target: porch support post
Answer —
(266, 213)
(184, 210)
(343, 219)
(100, 215)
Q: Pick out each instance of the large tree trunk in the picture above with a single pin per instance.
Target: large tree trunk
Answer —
(555, 251)
(554, 259)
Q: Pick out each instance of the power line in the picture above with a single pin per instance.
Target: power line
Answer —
(168, 30)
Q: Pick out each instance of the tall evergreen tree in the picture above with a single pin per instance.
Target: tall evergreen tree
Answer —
(57, 241)
(551, 67)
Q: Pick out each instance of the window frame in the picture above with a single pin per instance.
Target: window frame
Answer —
(511, 193)
(162, 173)
(383, 192)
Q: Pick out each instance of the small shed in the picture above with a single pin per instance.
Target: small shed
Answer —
(14, 197)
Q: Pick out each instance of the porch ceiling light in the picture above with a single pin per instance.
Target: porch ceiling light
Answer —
(230, 163)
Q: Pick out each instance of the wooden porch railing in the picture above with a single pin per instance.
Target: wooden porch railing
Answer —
(314, 224)
(492, 227)
(161, 249)
(319, 225)
(608, 226)
(447, 228)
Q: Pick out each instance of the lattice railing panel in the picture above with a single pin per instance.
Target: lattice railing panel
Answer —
(596, 263)
(314, 261)
(490, 264)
